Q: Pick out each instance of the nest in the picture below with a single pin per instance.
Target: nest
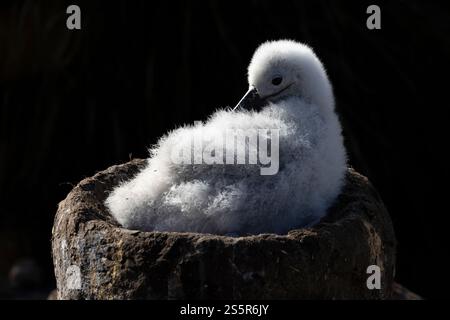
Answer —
(95, 258)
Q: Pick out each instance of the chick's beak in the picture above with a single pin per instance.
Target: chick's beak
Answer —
(251, 100)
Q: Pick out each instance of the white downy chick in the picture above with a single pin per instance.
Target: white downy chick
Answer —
(290, 84)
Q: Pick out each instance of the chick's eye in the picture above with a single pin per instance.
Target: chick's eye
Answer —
(277, 80)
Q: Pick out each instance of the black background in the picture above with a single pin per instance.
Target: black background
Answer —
(75, 102)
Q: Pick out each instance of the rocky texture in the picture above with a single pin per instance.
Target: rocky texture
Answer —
(95, 258)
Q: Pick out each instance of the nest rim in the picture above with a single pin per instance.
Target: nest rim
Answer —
(84, 209)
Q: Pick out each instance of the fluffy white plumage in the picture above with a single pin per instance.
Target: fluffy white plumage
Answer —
(237, 199)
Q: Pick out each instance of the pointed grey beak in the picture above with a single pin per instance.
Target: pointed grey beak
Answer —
(251, 100)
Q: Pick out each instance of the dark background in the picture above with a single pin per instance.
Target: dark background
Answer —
(75, 102)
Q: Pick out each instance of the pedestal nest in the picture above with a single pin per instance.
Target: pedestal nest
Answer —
(95, 258)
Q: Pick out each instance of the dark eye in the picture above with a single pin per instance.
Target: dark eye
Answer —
(277, 80)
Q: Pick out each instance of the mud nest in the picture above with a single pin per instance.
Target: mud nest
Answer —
(95, 258)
